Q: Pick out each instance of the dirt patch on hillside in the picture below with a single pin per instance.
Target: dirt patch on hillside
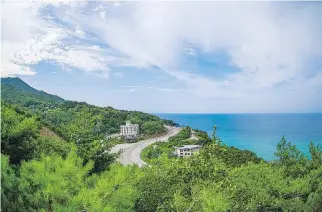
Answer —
(46, 132)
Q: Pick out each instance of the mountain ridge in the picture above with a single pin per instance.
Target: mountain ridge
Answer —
(15, 84)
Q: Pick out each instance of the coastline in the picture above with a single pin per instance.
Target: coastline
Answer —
(259, 133)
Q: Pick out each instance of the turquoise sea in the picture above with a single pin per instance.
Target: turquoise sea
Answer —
(257, 132)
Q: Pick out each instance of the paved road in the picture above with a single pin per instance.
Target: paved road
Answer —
(131, 152)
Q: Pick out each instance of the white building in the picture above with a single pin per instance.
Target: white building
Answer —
(129, 131)
(187, 150)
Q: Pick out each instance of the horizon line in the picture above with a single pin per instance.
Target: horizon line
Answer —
(232, 113)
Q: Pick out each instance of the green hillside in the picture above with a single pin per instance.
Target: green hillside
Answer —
(26, 112)
(75, 120)
(16, 91)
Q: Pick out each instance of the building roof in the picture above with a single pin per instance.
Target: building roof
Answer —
(189, 147)
(128, 124)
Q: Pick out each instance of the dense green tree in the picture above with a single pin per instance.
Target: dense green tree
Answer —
(102, 158)
(316, 154)
(49, 145)
(203, 138)
(172, 180)
(112, 190)
(260, 187)
(57, 184)
(212, 199)
(18, 133)
(214, 136)
(9, 186)
(291, 158)
(315, 186)
(152, 127)
(287, 153)
(51, 181)
(184, 134)
(231, 156)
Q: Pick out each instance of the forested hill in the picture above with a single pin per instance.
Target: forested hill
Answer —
(16, 91)
(28, 116)
(75, 120)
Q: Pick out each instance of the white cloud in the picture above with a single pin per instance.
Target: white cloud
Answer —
(270, 43)
(189, 51)
(30, 37)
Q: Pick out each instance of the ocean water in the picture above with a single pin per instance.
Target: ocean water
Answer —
(257, 132)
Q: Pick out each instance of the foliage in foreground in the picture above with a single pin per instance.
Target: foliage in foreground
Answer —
(203, 182)
(53, 183)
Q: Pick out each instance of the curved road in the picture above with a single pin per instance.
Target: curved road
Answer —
(131, 152)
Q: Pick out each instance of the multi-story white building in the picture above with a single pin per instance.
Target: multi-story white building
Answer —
(129, 131)
(186, 150)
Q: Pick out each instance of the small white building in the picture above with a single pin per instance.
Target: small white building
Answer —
(186, 150)
(129, 131)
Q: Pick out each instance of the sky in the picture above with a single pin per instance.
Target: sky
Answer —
(169, 57)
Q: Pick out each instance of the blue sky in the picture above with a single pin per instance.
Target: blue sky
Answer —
(188, 57)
